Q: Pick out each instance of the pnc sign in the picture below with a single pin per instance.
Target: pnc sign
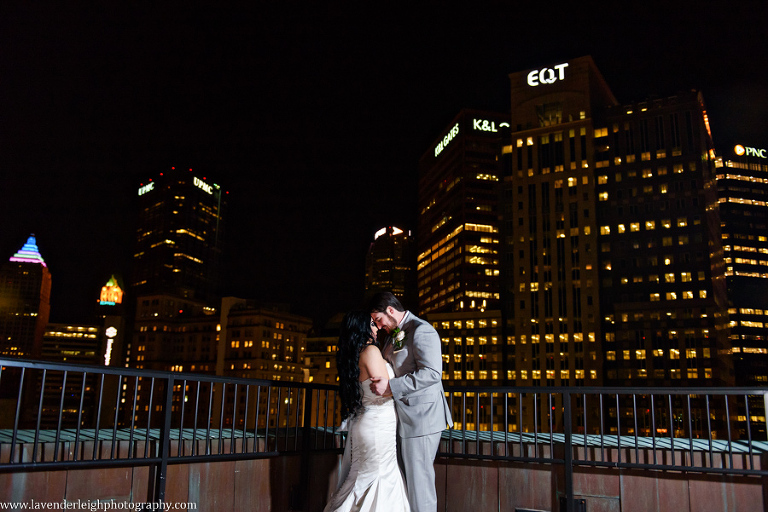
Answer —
(547, 75)
(747, 151)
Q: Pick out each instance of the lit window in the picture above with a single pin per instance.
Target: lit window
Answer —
(650, 224)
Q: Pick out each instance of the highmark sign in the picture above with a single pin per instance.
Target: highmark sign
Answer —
(547, 75)
(747, 151)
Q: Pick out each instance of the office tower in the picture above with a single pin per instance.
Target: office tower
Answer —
(458, 245)
(320, 356)
(75, 344)
(177, 263)
(742, 184)
(264, 341)
(457, 234)
(613, 267)
(25, 291)
(389, 264)
(173, 334)
(179, 236)
(663, 290)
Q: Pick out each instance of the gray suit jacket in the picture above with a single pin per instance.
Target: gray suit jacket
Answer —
(417, 386)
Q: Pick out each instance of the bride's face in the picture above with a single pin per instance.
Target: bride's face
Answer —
(374, 329)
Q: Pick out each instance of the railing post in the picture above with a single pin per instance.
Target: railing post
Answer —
(306, 432)
(165, 442)
(568, 456)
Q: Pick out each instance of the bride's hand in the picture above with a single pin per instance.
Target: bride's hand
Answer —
(380, 386)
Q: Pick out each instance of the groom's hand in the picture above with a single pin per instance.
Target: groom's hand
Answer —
(380, 386)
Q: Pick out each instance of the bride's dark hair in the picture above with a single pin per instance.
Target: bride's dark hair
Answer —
(354, 336)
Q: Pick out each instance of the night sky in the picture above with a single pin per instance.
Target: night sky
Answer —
(312, 116)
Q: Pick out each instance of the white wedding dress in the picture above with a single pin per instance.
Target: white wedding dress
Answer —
(371, 479)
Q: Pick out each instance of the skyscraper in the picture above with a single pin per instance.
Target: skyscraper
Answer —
(457, 234)
(458, 243)
(389, 264)
(742, 184)
(179, 236)
(25, 293)
(177, 263)
(613, 268)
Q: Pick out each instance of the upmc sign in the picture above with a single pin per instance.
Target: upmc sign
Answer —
(746, 151)
(547, 75)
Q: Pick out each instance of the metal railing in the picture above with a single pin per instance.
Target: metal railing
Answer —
(699, 430)
(59, 416)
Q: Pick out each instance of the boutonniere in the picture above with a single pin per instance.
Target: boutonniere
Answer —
(398, 336)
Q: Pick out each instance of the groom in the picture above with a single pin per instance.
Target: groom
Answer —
(413, 349)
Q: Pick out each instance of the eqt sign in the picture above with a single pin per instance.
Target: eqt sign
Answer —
(547, 75)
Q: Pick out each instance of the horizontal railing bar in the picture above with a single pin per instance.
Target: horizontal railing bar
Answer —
(473, 456)
(680, 469)
(134, 372)
(112, 463)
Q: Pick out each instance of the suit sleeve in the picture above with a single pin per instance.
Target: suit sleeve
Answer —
(428, 360)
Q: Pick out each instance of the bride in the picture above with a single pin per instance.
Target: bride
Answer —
(371, 480)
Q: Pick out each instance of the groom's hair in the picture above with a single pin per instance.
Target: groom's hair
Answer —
(382, 300)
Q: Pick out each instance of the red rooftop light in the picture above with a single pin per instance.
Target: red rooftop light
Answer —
(173, 168)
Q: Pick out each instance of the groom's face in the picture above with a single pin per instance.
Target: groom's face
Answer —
(384, 320)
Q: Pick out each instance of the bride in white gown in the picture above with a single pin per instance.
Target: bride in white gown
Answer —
(371, 480)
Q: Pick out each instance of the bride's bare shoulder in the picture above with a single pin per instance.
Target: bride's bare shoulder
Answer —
(371, 363)
(370, 353)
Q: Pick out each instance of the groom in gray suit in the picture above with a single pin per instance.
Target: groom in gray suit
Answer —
(412, 347)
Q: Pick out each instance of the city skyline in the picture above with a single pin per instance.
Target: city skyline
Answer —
(315, 124)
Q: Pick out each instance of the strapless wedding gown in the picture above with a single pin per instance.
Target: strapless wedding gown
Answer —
(373, 482)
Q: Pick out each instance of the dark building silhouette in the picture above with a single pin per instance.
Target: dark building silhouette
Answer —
(390, 264)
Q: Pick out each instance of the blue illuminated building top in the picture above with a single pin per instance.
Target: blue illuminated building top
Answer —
(29, 253)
